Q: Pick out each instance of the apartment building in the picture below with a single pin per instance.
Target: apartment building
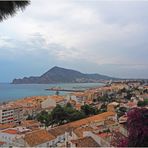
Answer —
(10, 113)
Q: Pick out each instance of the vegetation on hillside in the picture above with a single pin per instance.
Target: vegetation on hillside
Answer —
(61, 115)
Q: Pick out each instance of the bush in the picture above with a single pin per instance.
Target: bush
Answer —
(137, 127)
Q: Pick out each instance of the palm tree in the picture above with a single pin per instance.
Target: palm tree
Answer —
(9, 8)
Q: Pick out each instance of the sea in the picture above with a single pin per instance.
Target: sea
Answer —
(9, 92)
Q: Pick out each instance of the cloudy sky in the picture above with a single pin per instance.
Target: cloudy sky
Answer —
(92, 36)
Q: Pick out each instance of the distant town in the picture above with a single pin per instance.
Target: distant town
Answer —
(64, 107)
(96, 117)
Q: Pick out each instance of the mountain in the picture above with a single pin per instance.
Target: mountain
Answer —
(62, 75)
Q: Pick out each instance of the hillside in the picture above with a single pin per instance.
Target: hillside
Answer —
(62, 75)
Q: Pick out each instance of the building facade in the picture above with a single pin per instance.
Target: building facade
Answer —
(10, 114)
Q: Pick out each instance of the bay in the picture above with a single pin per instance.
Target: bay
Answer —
(16, 91)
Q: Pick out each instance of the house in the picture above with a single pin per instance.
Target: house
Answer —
(7, 125)
(37, 138)
(100, 138)
(112, 106)
(48, 103)
(9, 135)
(84, 142)
(30, 124)
(74, 130)
(61, 134)
(52, 101)
(11, 113)
(79, 97)
(78, 132)
(2, 144)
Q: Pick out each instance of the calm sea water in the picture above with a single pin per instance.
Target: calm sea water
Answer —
(16, 91)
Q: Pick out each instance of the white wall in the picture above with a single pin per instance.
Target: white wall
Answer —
(48, 102)
(8, 138)
(0, 116)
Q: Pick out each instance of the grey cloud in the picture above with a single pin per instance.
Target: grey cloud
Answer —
(102, 36)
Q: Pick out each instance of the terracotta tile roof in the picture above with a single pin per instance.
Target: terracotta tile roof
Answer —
(104, 135)
(79, 94)
(60, 130)
(7, 125)
(38, 137)
(10, 131)
(1, 143)
(79, 131)
(96, 118)
(56, 98)
(30, 123)
(109, 122)
(85, 142)
(10, 106)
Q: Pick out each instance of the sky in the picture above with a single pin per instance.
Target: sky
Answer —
(91, 36)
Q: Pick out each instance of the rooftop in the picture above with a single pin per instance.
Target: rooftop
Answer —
(79, 131)
(30, 123)
(7, 125)
(10, 131)
(1, 143)
(85, 142)
(60, 130)
(104, 135)
(56, 98)
(38, 137)
(72, 125)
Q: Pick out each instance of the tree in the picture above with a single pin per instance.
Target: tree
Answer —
(9, 8)
(65, 114)
(137, 127)
(142, 103)
(77, 115)
(103, 108)
(68, 105)
(89, 110)
(43, 117)
(59, 115)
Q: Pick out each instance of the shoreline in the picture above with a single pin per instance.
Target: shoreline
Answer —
(39, 90)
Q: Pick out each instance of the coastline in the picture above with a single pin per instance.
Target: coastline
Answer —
(11, 92)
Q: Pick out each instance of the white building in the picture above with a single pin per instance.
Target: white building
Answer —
(10, 135)
(52, 101)
(48, 103)
(10, 114)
